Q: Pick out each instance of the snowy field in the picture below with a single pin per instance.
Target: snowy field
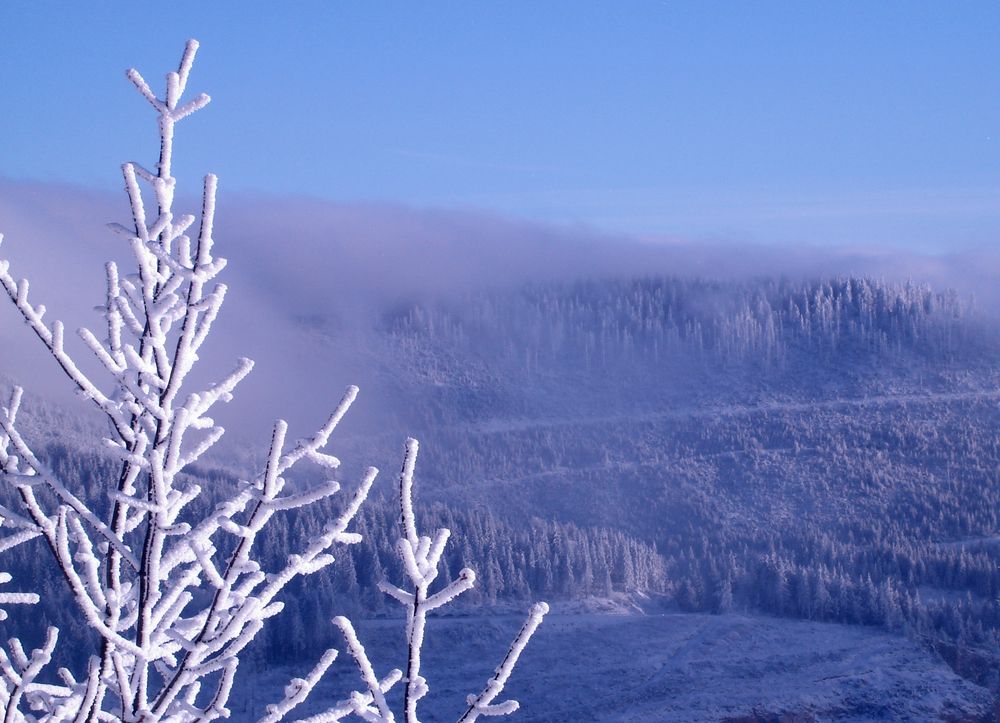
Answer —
(663, 667)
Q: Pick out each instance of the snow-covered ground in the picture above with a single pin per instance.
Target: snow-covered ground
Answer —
(663, 667)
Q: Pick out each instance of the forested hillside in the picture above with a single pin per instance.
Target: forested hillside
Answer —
(824, 451)
(821, 450)
(540, 558)
(635, 327)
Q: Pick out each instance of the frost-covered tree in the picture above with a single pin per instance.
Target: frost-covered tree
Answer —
(174, 591)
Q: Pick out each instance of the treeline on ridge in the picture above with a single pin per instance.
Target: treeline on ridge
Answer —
(601, 323)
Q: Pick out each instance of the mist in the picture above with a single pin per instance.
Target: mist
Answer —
(308, 278)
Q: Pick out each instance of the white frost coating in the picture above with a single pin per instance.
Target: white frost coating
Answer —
(134, 571)
(358, 703)
(19, 674)
(483, 703)
(377, 695)
(14, 598)
(421, 557)
(298, 689)
(172, 614)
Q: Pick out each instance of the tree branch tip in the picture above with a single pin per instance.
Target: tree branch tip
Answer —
(113, 600)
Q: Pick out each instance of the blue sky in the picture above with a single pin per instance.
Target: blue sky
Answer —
(847, 123)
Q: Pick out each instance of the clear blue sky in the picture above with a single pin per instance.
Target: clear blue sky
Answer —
(815, 122)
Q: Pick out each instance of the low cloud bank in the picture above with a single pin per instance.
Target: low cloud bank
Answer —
(300, 265)
(300, 254)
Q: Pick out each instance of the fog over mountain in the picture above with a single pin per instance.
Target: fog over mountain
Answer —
(294, 304)
(698, 427)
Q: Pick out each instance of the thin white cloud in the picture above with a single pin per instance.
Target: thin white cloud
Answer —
(304, 272)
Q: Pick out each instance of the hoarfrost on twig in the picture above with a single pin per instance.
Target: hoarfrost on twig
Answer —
(173, 613)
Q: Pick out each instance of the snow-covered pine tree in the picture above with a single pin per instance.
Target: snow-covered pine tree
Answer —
(175, 595)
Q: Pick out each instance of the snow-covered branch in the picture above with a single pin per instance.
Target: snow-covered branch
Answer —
(483, 703)
(174, 589)
(298, 689)
(421, 557)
